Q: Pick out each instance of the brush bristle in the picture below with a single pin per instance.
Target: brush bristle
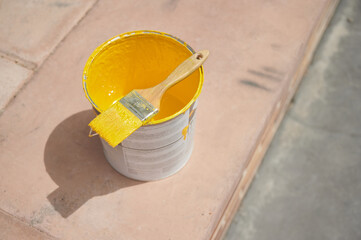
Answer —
(115, 124)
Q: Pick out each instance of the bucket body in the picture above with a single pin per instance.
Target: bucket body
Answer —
(154, 151)
(136, 60)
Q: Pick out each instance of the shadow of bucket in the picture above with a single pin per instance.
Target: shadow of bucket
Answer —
(136, 60)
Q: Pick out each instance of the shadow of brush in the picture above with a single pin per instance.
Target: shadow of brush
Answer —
(76, 163)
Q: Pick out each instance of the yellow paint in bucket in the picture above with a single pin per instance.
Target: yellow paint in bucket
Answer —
(137, 60)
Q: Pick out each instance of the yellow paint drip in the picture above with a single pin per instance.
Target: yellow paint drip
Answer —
(184, 132)
(115, 124)
(139, 60)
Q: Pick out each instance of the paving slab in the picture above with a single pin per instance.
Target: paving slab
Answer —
(12, 77)
(30, 30)
(56, 178)
(12, 228)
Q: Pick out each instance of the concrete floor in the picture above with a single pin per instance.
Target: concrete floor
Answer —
(309, 185)
(54, 186)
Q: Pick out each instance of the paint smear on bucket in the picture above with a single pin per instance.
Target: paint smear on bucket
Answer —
(184, 132)
(136, 61)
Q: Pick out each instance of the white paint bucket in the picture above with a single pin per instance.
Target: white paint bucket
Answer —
(163, 146)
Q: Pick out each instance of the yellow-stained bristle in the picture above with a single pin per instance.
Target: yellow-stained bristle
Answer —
(115, 124)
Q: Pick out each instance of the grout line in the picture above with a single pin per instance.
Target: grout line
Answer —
(35, 68)
(32, 66)
(86, 13)
(16, 59)
(16, 91)
(22, 221)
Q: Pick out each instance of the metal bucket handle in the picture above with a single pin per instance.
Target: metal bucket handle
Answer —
(91, 133)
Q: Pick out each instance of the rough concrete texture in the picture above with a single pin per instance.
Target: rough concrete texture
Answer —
(30, 30)
(309, 186)
(12, 76)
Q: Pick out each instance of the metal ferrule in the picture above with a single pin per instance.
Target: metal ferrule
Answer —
(139, 106)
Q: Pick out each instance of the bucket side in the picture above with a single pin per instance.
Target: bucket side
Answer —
(151, 164)
(160, 135)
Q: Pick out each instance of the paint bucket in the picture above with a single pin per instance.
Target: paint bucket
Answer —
(136, 60)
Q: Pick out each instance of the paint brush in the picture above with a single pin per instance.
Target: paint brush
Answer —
(139, 106)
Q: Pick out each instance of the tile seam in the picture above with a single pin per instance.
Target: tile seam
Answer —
(33, 66)
(22, 221)
(18, 60)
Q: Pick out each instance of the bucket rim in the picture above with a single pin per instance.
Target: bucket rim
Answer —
(104, 46)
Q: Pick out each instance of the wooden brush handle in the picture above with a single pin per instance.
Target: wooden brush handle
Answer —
(154, 94)
(183, 70)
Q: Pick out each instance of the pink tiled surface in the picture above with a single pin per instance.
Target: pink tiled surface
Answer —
(56, 179)
(12, 76)
(12, 228)
(30, 30)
